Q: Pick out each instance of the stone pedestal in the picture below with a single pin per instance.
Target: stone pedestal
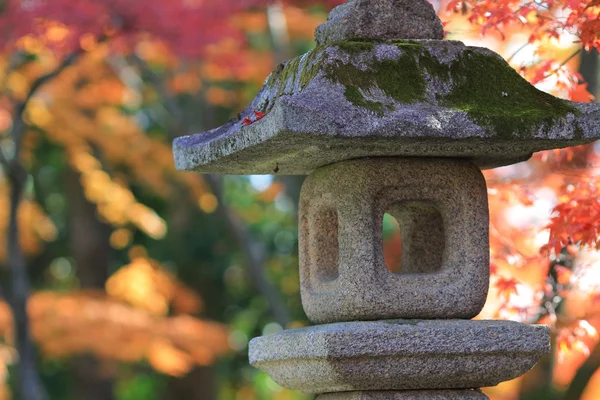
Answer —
(407, 395)
(400, 355)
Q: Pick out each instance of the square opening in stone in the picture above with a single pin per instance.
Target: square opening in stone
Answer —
(324, 245)
(414, 238)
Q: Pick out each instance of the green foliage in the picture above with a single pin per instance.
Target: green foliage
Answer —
(390, 226)
(139, 386)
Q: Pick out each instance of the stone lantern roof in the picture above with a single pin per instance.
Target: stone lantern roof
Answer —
(381, 83)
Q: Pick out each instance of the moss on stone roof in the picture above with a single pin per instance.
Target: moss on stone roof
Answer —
(476, 82)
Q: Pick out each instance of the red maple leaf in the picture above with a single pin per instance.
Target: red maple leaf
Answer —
(542, 72)
(507, 286)
(580, 93)
(573, 4)
(493, 268)
(248, 121)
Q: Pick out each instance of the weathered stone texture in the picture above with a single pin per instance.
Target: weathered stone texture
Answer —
(442, 208)
(356, 99)
(400, 355)
(381, 19)
(407, 395)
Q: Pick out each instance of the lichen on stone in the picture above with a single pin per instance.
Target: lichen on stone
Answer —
(482, 85)
(292, 77)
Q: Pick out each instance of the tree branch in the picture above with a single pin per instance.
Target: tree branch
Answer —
(18, 122)
(556, 70)
(170, 102)
(254, 253)
(4, 160)
(29, 381)
(521, 48)
(30, 384)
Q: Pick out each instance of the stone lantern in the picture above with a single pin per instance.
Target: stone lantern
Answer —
(385, 116)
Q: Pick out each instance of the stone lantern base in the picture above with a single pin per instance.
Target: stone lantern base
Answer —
(407, 395)
(400, 355)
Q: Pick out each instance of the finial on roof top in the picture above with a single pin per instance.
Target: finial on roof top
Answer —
(381, 19)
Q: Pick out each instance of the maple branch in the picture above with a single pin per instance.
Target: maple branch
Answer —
(30, 383)
(4, 160)
(18, 122)
(575, 54)
(170, 102)
(253, 251)
(513, 55)
(555, 71)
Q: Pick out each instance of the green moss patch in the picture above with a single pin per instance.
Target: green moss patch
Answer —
(495, 95)
(355, 46)
(300, 70)
(482, 85)
(354, 95)
(398, 79)
(485, 87)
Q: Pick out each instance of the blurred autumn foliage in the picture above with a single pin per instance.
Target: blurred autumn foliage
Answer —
(543, 233)
(140, 278)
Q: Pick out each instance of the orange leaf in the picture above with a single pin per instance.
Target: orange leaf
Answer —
(563, 274)
(580, 93)
(507, 286)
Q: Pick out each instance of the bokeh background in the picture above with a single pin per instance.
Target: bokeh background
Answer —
(124, 279)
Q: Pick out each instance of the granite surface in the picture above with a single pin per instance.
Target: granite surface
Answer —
(400, 355)
(407, 395)
(443, 213)
(381, 19)
(356, 99)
